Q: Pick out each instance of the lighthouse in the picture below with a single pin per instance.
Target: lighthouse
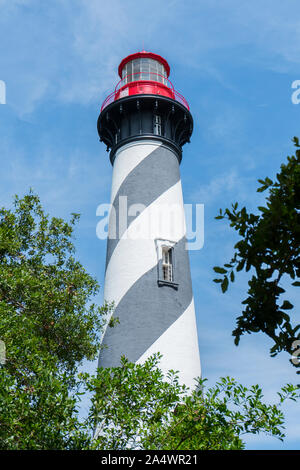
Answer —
(144, 124)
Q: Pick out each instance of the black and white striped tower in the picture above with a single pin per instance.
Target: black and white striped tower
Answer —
(145, 123)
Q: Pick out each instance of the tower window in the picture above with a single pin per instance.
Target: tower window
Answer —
(157, 125)
(167, 265)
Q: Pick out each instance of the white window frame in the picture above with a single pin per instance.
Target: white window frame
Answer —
(161, 244)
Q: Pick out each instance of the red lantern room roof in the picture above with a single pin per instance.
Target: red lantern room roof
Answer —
(144, 82)
(144, 55)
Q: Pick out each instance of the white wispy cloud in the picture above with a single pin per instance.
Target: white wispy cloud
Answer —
(223, 187)
(41, 41)
(67, 183)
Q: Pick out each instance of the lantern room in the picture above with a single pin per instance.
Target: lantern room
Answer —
(144, 66)
(144, 73)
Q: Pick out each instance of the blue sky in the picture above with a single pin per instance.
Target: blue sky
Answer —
(234, 61)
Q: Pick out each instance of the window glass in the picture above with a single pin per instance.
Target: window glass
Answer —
(124, 74)
(157, 125)
(158, 71)
(153, 70)
(167, 264)
(130, 72)
(136, 70)
(164, 74)
(145, 69)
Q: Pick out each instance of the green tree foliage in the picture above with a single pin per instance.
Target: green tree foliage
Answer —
(269, 248)
(49, 325)
(46, 326)
(135, 407)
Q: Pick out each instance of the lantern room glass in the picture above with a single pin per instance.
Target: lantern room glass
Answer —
(144, 69)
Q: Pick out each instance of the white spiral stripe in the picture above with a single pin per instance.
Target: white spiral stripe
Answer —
(134, 257)
(127, 158)
(179, 347)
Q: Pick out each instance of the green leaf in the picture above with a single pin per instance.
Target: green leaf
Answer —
(224, 285)
(240, 265)
(287, 305)
(219, 270)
